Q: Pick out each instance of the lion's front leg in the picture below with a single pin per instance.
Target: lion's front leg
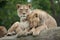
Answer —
(28, 31)
(37, 31)
(22, 33)
(13, 28)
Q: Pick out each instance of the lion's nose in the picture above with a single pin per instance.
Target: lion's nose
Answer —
(23, 13)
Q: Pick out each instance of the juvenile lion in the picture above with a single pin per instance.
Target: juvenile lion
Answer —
(3, 31)
(23, 25)
(40, 20)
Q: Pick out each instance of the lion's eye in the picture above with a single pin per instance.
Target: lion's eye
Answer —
(26, 9)
(21, 9)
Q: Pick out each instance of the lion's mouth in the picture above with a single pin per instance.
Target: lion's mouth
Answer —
(23, 16)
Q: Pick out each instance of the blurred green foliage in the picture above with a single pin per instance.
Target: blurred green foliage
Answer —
(8, 14)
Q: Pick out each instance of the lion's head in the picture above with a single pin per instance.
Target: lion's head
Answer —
(34, 19)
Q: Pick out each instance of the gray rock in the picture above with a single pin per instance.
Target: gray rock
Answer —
(49, 34)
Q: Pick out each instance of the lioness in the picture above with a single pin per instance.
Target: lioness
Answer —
(23, 25)
(40, 20)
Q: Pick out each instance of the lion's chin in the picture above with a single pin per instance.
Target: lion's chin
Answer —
(23, 18)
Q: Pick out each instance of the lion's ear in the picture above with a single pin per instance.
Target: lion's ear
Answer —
(36, 15)
(29, 5)
(18, 6)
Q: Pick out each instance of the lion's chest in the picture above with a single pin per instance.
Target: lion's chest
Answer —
(24, 25)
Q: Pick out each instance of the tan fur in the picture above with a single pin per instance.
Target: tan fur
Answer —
(22, 26)
(40, 20)
(23, 10)
(3, 31)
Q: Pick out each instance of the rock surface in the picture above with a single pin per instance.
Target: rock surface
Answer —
(49, 34)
